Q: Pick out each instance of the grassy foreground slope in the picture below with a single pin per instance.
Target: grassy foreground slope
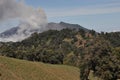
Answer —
(14, 69)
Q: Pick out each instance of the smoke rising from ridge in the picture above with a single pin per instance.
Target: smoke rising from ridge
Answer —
(31, 20)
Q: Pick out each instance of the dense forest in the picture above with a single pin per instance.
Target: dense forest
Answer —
(88, 50)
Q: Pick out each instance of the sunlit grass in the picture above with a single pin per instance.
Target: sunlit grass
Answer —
(14, 69)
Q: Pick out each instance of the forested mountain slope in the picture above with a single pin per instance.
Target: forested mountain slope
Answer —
(90, 51)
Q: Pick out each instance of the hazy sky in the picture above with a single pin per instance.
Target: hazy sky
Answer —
(100, 15)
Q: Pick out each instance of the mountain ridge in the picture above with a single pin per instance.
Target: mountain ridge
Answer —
(49, 26)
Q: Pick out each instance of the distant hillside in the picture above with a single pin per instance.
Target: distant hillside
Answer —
(50, 26)
(9, 32)
(63, 25)
(13, 69)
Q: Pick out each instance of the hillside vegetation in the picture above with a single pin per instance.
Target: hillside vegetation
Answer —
(13, 69)
(55, 47)
(88, 50)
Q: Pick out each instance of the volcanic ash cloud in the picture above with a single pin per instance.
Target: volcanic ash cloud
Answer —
(31, 20)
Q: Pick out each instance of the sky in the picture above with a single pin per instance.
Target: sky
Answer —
(100, 15)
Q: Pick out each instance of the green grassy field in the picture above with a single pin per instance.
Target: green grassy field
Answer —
(14, 69)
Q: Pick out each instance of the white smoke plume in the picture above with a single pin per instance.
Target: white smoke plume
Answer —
(31, 19)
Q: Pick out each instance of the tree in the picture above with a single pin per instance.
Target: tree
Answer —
(99, 58)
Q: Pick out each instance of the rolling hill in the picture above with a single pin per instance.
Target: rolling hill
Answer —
(13, 69)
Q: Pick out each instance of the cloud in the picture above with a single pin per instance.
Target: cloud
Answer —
(86, 10)
(30, 19)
